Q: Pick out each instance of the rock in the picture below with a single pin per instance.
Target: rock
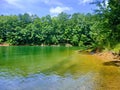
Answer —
(68, 45)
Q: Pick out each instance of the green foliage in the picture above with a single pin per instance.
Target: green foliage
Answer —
(109, 15)
(75, 40)
(64, 29)
(100, 30)
(116, 49)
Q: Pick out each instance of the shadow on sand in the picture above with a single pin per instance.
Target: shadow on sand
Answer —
(112, 63)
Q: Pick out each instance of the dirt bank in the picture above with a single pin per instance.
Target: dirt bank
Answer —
(4, 44)
(107, 56)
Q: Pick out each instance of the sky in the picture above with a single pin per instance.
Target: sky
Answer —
(45, 7)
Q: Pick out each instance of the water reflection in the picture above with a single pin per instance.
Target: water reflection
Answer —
(44, 82)
(55, 68)
(30, 60)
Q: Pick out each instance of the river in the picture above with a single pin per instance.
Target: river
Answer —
(54, 68)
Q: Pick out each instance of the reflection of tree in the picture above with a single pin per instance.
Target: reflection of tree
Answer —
(75, 65)
(59, 68)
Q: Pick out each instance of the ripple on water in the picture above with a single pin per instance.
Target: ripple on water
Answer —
(47, 82)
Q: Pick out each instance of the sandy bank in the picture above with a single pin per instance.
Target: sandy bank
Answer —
(4, 44)
(107, 56)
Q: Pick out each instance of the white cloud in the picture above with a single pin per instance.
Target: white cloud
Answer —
(11, 1)
(35, 6)
(24, 3)
(58, 10)
(14, 3)
(85, 1)
(51, 2)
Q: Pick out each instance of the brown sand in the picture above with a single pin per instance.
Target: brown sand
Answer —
(107, 56)
(4, 44)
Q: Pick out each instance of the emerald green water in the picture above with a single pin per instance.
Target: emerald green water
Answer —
(31, 60)
(54, 68)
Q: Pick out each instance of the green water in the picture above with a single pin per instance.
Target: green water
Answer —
(54, 68)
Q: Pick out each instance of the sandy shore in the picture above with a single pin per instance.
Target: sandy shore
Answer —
(107, 56)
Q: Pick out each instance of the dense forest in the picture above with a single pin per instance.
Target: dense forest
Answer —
(98, 30)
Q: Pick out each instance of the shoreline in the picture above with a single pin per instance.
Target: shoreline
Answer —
(4, 44)
(107, 56)
(58, 45)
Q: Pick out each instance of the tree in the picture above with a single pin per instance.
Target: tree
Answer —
(110, 15)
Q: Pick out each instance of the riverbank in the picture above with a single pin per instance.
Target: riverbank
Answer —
(107, 56)
(66, 45)
(4, 44)
(103, 55)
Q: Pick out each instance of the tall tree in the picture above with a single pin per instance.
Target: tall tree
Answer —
(109, 12)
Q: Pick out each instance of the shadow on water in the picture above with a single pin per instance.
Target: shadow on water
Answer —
(75, 65)
(112, 63)
(59, 68)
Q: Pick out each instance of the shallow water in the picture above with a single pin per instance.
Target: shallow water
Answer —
(54, 68)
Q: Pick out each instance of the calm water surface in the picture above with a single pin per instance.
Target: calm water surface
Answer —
(54, 68)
